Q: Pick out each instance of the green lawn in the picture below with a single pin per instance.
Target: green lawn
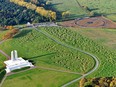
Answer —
(106, 56)
(105, 7)
(69, 5)
(103, 36)
(102, 7)
(38, 78)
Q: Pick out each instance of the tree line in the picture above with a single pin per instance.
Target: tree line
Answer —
(29, 5)
(13, 14)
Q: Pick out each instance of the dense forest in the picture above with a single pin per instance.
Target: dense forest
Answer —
(12, 14)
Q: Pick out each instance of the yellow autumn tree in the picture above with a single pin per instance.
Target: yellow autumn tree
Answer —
(46, 13)
(65, 14)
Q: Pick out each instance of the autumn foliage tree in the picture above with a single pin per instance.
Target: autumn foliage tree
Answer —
(65, 14)
(100, 82)
(46, 13)
(9, 27)
(10, 34)
(113, 82)
(82, 81)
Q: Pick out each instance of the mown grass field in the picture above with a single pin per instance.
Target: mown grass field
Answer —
(103, 36)
(105, 7)
(38, 78)
(101, 7)
(69, 5)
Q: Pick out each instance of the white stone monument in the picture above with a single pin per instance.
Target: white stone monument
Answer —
(16, 62)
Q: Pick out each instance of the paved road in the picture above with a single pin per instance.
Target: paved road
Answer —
(71, 47)
(4, 54)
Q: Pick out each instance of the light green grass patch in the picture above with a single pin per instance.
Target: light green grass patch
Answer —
(103, 7)
(38, 78)
(69, 5)
(103, 36)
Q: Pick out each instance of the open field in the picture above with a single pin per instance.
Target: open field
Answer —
(105, 7)
(73, 8)
(38, 78)
(100, 7)
(105, 37)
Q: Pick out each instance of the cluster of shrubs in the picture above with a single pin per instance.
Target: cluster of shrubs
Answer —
(98, 82)
(12, 31)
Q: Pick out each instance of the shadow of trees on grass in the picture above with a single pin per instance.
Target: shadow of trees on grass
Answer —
(31, 59)
(22, 33)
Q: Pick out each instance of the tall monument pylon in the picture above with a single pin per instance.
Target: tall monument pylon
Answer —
(14, 55)
(16, 62)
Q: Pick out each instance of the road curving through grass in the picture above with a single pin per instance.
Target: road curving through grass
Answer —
(77, 49)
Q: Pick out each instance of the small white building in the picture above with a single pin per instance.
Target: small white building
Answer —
(16, 62)
(29, 24)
